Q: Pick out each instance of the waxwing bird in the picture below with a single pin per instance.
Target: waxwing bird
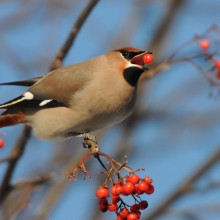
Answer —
(77, 99)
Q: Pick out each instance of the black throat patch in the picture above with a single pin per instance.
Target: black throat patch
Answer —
(132, 75)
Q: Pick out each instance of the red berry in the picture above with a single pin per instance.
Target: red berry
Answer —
(143, 204)
(124, 212)
(148, 58)
(136, 191)
(119, 217)
(143, 187)
(102, 192)
(128, 188)
(103, 209)
(113, 191)
(119, 189)
(134, 179)
(218, 75)
(124, 193)
(103, 203)
(217, 64)
(150, 189)
(204, 44)
(117, 182)
(2, 143)
(128, 179)
(112, 207)
(138, 214)
(134, 208)
(132, 216)
(148, 180)
(115, 199)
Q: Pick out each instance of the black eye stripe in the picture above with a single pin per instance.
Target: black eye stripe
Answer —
(130, 54)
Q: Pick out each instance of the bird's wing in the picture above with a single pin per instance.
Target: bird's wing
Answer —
(27, 82)
(53, 89)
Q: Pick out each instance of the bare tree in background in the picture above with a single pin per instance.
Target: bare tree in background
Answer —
(16, 197)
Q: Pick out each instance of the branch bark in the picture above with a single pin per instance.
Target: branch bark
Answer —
(16, 153)
(37, 180)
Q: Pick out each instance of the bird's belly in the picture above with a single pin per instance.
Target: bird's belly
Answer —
(103, 120)
(104, 113)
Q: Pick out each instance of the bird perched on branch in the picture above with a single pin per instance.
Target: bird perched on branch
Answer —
(77, 99)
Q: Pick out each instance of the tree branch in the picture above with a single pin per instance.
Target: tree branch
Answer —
(16, 153)
(6, 159)
(37, 180)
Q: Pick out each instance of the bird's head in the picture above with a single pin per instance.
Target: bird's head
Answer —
(132, 63)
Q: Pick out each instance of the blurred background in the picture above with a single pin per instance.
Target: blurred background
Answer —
(174, 131)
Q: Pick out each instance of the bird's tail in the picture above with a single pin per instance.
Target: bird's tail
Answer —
(11, 119)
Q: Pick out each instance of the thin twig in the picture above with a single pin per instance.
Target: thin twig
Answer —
(33, 181)
(20, 207)
(97, 154)
(6, 159)
(16, 153)
(102, 164)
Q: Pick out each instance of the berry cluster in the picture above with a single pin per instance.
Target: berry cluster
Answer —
(131, 185)
(204, 44)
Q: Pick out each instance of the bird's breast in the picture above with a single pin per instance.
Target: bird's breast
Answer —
(103, 106)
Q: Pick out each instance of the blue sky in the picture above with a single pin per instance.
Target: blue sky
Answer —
(170, 146)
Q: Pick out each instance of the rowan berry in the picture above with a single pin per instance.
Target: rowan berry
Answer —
(128, 179)
(128, 188)
(103, 203)
(103, 209)
(2, 143)
(132, 216)
(136, 191)
(204, 44)
(134, 179)
(150, 189)
(148, 180)
(119, 217)
(218, 75)
(118, 189)
(124, 212)
(217, 64)
(113, 191)
(112, 207)
(119, 182)
(115, 199)
(148, 58)
(143, 204)
(102, 192)
(143, 187)
(124, 193)
(134, 208)
(138, 214)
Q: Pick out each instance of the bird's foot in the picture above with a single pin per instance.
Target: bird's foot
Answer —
(86, 136)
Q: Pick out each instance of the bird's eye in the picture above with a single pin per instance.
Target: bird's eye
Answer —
(125, 53)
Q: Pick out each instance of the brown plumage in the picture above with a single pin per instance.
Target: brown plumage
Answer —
(80, 98)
